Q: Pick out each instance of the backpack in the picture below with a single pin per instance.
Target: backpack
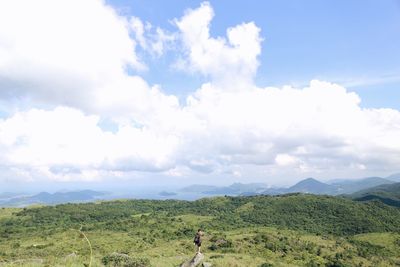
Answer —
(196, 239)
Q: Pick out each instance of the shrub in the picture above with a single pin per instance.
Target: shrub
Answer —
(220, 244)
(123, 260)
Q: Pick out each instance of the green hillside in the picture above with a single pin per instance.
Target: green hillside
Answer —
(288, 230)
(388, 194)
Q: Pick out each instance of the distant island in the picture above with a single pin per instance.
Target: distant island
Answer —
(167, 194)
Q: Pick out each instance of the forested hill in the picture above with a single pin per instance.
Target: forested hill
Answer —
(286, 230)
(388, 194)
(311, 213)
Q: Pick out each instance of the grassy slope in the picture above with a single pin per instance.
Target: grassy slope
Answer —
(163, 232)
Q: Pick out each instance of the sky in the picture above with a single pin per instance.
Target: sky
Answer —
(175, 92)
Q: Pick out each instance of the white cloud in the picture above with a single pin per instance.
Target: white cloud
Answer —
(152, 40)
(233, 59)
(64, 141)
(285, 160)
(311, 130)
(76, 53)
(321, 126)
(229, 125)
(61, 51)
(138, 28)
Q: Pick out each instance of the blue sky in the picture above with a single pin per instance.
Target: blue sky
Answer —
(177, 92)
(351, 42)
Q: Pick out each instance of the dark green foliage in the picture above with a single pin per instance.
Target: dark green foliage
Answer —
(366, 249)
(315, 214)
(123, 260)
(283, 244)
(234, 227)
(219, 242)
(321, 214)
(387, 193)
(386, 200)
(216, 256)
(337, 263)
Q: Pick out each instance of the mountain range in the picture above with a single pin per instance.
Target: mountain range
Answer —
(309, 185)
(45, 198)
(370, 188)
(313, 186)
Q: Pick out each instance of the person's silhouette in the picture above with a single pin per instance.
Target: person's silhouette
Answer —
(197, 240)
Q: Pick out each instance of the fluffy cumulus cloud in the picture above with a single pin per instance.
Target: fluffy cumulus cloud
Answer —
(65, 74)
(64, 141)
(73, 53)
(231, 59)
(314, 128)
(60, 51)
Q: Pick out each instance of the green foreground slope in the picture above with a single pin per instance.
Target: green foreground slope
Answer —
(290, 230)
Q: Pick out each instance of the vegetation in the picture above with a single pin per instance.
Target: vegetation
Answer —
(387, 193)
(288, 230)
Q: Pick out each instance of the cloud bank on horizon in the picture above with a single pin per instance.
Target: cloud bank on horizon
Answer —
(61, 78)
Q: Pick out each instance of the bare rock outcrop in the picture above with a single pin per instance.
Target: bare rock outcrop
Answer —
(194, 262)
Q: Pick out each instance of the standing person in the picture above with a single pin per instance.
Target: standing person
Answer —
(197, 240)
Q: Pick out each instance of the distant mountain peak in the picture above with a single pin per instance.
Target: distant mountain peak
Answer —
(308, 180)
(311, 185)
